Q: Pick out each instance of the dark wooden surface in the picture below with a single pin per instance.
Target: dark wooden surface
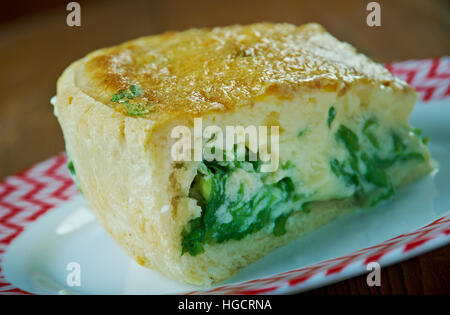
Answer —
(36, 45)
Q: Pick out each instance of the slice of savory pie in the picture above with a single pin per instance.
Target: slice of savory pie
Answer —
(344, 141)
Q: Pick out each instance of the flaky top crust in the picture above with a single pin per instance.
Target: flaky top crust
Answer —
(205, 70)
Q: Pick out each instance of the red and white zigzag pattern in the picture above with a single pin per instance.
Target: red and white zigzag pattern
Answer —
(27, 195)
(430, 77)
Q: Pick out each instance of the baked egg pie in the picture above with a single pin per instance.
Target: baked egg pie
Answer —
(344, 141)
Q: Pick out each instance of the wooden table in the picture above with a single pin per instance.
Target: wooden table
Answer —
(36, 48)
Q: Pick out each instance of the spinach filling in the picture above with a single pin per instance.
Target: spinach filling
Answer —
(265, 202)
(73, 174)
(366, 172)
(331, 115)
(225, 217)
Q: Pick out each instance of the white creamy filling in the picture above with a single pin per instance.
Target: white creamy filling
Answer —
(312, 175)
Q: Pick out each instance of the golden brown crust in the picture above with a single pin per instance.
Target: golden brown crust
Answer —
(204, 70)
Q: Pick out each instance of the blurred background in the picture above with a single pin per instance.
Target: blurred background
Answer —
(36, 45)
